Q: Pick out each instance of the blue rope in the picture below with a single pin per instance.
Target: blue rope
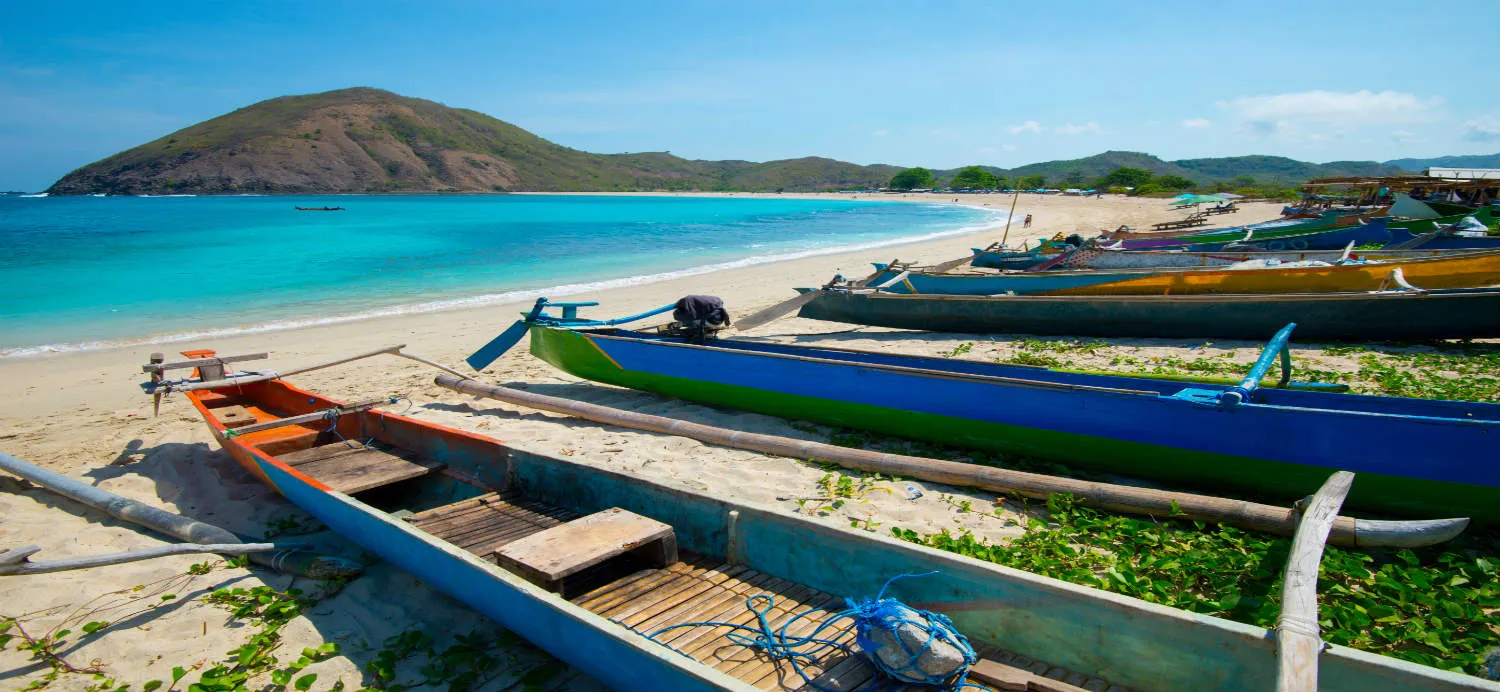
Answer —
(862, 617)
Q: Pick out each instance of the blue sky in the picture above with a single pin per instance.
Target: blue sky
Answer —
(935, 84)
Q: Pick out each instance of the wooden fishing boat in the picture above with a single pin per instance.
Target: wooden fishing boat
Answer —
(1470, 270)
(1460, 313)
(1323, 221)
(1269, 238)
(471, 516)
(1102, 258)
(997, 256)
(1421, 457)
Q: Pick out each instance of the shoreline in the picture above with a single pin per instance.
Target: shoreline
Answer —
(518, 296)
(451, 334)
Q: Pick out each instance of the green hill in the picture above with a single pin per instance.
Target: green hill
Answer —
(369, 140)
(1471, 161)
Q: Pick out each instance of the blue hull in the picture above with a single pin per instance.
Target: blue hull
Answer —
(1128, 425)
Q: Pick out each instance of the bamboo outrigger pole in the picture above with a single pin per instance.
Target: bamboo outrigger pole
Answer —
(285, 559)
(1346, 531)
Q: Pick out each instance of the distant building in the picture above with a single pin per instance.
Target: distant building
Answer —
(1464, 173)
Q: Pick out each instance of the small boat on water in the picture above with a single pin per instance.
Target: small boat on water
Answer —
(319, 208)
(1469, 270)
(491, 524)
(1415, 457)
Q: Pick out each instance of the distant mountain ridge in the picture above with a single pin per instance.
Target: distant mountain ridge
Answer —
(369, 140)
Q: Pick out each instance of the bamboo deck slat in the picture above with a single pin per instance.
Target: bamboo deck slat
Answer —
(698, 589)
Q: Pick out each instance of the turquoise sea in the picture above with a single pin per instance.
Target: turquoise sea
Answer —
(86, 272)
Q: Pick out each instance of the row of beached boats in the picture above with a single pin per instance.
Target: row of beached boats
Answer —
(1339, 276)
(637, 584)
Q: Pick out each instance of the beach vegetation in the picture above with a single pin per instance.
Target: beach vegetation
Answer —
(1433, 606)
(974, 178)
(912, 179)
(1032, 182)
(1124, 176)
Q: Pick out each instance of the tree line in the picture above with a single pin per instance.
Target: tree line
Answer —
(1124, 180)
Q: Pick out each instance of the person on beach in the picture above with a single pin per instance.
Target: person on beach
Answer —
(1027, 224)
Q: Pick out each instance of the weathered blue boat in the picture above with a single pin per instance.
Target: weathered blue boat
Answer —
(997, 256)
(1460, 313)
(466, 514)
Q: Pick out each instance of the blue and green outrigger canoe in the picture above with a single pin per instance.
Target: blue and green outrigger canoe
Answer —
(1415, 457)
(452, 508)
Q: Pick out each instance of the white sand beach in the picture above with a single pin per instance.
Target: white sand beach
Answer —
(82, 415)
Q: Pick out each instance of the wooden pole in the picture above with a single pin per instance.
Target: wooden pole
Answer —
(1297, 636)
(1118, 498)
(218, 382)
(175, 525)
(1011, 216)
(15, 562)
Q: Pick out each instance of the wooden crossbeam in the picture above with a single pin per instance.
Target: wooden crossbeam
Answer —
(307, 417)
(157, 368)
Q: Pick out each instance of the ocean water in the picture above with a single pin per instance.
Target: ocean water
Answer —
(87, 272)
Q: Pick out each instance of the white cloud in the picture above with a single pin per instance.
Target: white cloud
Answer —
(1483, 129)
(1031, 126)
(1196, 123)
(1086, 128)
(1288, 113)
(881, 133)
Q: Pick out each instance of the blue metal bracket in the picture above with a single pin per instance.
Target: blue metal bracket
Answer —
(1276, 347)
(1202, 397)
(569, 318)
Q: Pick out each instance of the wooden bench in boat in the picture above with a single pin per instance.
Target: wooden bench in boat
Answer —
(697, 589)
(352, 468)
(234, 416)
(549, 557)
(484, 524)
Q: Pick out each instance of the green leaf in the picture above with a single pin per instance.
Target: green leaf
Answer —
(177, 673)
(151, 685)
(281, 677)
(306, 681)
(95, 626)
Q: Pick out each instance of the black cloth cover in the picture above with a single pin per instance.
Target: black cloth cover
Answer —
(693, 310)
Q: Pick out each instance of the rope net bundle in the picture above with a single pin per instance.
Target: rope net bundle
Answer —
(881, 617)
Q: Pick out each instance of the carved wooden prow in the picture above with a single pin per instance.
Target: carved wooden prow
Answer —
(1298, 640)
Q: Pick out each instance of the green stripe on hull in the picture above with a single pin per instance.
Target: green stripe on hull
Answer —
(576, 354)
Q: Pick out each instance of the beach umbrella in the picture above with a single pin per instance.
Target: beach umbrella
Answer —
(1185, 194)
(1198, 199)
(1230, 195)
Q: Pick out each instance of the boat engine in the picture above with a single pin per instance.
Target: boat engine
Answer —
(697, 318)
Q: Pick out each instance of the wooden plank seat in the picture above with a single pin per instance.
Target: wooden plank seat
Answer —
(549, 557)
(701, 590)
(234, 416)
(353, 468)
(484, 524)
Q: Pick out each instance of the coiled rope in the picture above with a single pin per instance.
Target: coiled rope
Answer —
(864, 618)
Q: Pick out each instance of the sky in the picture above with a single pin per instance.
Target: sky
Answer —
(910, 83)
